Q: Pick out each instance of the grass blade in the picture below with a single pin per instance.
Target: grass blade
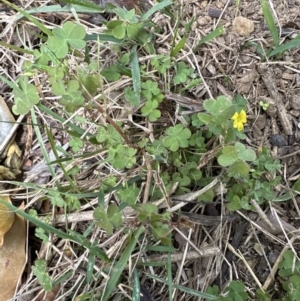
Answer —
(155, 8)
(287, 46)
(186, 289)
(59, 9)
(119, 267)
(136, 76)
(217, 32)
(76, 238)
(136, 286)
(170, 279)
(87, 4)
(30, 18)
(270, 22)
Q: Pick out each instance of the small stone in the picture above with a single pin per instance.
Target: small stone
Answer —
(295, 102)
(243, 26)
(278, 140)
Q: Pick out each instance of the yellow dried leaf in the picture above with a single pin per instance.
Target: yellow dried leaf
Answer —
(6, 219)
(12, 258)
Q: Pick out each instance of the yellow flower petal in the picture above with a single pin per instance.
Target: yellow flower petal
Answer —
(243, 116)
(235, 116)
(240, 126)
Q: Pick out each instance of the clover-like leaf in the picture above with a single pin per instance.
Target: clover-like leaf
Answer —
(239, 168)
(229, 156)
(236, 291)
(122, 156)
(182, 73)
(150, 89)
(177, 136)
(150, 110)
(108, 219)
(129, 195)
(289, 265)
(217, 106)
(70, 34)
(76, 144)
(132, 96)
(25, 97)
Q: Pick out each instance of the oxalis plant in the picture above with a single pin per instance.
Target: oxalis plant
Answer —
(174, 151)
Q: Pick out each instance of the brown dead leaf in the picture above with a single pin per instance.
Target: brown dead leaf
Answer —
(6, 219)
(12, 258)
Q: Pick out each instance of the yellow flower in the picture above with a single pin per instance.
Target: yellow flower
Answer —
(239, 119)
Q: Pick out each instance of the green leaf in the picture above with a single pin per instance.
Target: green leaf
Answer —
(182, 73)
(157, 7)
(236, 290)
(247, 155)
(205, 118)
(213, 34)
(129, 195)
(136, 286)
(217, 106)
(91, 82)
(111, 73)
(136, 76)
(132, 97)
(229, 156)
(268, 16)
(289, 265)
(235, 204)
(133, 30)
(119, 32)
(150, 89)
(56, 198)
(239, 168)
(73, 34)
(296, 186)
(117, 270)
(39, 269)
(262, 296)
(177, 136)
(295, 43)
(70, 34)
(110, 219)
(25, 97)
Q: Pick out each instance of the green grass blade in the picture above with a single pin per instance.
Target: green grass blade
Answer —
(136, 76)
(136, 293)
(155, 8)
(287, 46)
(41, 143)
(178, 47)
(120, 265)
(102, 38)
(90, 267)
(170, 279)
(186, 289)
(61, 119)
(175, 50)
(216, 33)
(9, 83)
(85, 3)
(270, 22)
(59, 9)
(16, 48)
(78, 238)
(37, 23)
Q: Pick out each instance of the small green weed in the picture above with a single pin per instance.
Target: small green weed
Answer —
(173, 152)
